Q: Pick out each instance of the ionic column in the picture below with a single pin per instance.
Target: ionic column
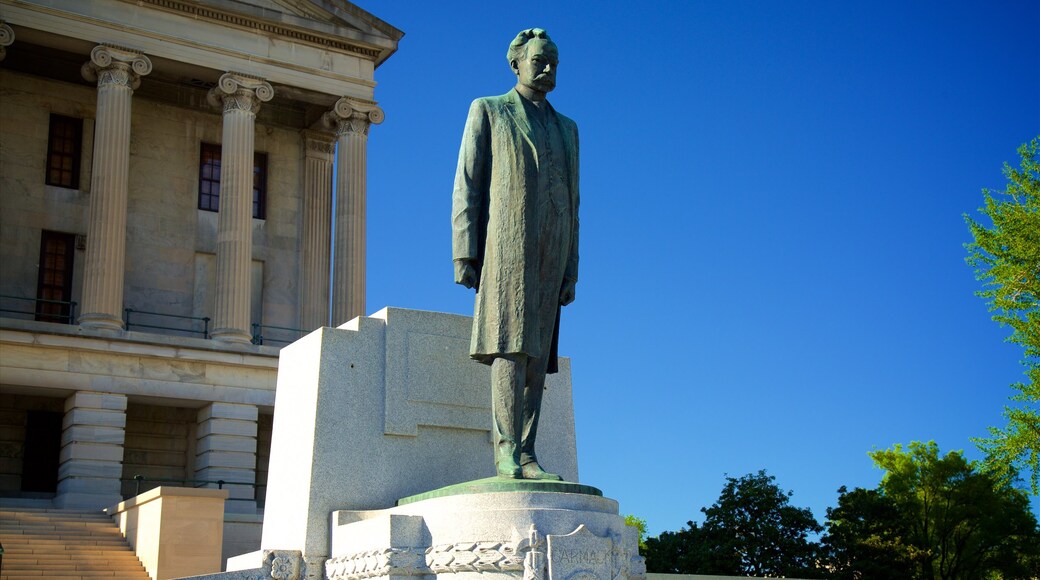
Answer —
(92, 437)
(240, 96)
(118, 72)
(6, 38)
(226, 450)
(351, 119)
(317, 229)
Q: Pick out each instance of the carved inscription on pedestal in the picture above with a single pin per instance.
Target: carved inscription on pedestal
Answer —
(580, 555)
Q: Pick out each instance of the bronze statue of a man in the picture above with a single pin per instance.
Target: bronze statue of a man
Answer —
(515, 240)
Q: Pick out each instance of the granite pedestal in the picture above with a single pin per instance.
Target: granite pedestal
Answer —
(380, 429)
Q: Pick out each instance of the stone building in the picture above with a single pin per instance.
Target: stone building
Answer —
(165, 223)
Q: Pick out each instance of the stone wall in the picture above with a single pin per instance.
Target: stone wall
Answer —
(27, 205)
(166, 233)
(160, 444)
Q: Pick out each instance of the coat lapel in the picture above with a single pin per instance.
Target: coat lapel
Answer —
(515, 109)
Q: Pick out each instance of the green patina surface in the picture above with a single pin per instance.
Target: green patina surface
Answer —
(496, 484)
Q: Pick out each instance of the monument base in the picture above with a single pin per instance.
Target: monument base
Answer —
(514, 534)
(498, 484)
(534, 535)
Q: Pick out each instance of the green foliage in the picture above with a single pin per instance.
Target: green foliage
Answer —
(939, 517)
(752, 530)
(866, 537)
(1006, 258)
(639, 524)
(679, 552)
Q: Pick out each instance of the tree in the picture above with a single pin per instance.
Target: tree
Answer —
(679, 552)
(1006, 258)
(866, 537)
(752, 530)
(950, 519)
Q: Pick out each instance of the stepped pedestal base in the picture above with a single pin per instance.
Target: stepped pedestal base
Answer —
(534, 535)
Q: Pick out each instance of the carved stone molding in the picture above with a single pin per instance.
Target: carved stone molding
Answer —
(282, 564)
(6, 38)
(351, 116)
(115, 65)
(579, 554)
(290, 565)
(240, 92)
(319, 144)
(199, 11)
(446, 559)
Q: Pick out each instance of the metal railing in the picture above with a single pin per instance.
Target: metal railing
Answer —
(69, 318)
(128, 312)
(220, 483)
(259, 338)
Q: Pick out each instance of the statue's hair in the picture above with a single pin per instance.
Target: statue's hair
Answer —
(519, 44)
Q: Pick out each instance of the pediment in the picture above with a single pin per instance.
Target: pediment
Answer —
(335, 24)
(338, 13)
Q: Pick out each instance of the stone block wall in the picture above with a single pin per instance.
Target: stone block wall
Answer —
(28, 205)
(91, 450)
(226, 451)
(165, 229)
(160, 444)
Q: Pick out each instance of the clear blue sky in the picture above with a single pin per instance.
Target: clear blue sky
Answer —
(772, 263)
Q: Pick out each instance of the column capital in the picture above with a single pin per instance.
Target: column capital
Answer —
(353, 116)
(115, 65)
(6, 38)
(319, 144)
(240, 92)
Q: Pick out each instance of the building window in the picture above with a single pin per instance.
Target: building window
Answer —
(54, 289)
(209, 177)
(209, 180)
(260, 185)
(64, 147)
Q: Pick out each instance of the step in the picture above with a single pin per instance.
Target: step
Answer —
(78, 564)
(44, 543)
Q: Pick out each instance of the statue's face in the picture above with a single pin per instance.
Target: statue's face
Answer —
(537, 69)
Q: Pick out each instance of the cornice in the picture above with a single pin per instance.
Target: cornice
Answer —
(199, 12)
(65, 18)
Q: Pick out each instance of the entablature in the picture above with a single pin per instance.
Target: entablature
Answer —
(312, 61)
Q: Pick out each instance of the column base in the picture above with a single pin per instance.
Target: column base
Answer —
(101, 321)
(85, 494)
(231, 335)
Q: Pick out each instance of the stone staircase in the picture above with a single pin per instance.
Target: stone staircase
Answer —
(64, 544)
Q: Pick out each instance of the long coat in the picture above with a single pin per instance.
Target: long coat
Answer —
(495, 223)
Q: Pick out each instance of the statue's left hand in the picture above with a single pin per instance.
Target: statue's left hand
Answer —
(567, 292)
(466, 273)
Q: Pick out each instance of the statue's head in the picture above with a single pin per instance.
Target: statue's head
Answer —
(533, 57)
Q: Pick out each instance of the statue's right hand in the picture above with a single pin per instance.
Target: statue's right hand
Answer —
(465, 273)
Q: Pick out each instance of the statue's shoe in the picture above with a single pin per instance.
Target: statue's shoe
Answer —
(534, 471)
(507, 465)
(513, 472)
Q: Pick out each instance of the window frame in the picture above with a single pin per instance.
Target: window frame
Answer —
(209, 158)
(64, 146)
(48, 311)
(209, 186)
(259, 185)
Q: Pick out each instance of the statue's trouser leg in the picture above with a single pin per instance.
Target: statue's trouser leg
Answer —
(508, 378)
(531, 405)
